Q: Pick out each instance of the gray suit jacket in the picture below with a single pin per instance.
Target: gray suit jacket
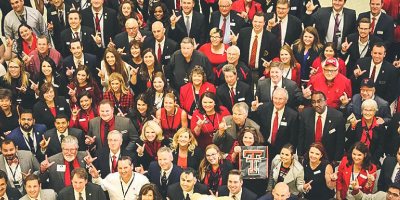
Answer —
(45, 194)
(376, 196)
(26, 160)
(227, 139)
(122, 124)
(57, 179)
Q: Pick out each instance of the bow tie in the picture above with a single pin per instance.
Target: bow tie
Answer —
(10, 162)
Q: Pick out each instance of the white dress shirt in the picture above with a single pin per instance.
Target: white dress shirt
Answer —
(25, 134)
(79, 33)
(259, 38)
(331, 28)
(238, 196)
(14, 169)
(227, 32)
(280, 114)
(323, 118)
(396, 169)
(284, 24)
(162, 47)
(377, 69)
(167, 173)
(116, 157)
(279, 85)
(76, 61)
(59, 134)
(363, 47)
(101, 18)
(83, 192)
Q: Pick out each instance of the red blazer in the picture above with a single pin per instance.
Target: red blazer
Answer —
(295, 72)
(187, 94)
(82, 120)
(317, 64)
(239, 6)
(344, 175)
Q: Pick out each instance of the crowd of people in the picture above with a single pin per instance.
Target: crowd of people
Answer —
(156, 99)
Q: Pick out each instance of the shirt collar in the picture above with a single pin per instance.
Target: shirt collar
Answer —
(280, 112)
(116, 155)
(376, 17)
(360, 43)
(162, 41)
(377, 65)
(284, 19)
(109, 122)
(258, 35)
(279, 83)
(239, 194)
(190, 193)
(234, 86)
(83, 192)
(100, 12)
(38, 197)
(340, 13)
(65, 133)
(26, 133)
(168, 172)
(323, 115)
(185, 15)
(79, 30)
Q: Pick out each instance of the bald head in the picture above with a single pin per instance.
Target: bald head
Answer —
(281, 191)
(158, 31)
(131, 26)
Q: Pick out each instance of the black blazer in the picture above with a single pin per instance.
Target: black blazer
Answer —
(243, 73)
(89, 46)
(312, 55)
(321, 20)
(170, 46)
(392, 136)
(121, 40)
(246, 193)
(54, 146)
(243, 94)
(385, 178)
(13, 193)
(298, 8)
(193, 161)
(354, 51)
(93, 192)
(103, 159)
(268, 49)
(146, 159)
(225, 167)
(197, 29)
(235, 21)
(384, 27)
(43, 115)
(293, 29)
(90, 61)
(60, 81)
(52, 16)
(386, 82)
(175, 191)
(287, 130)
(113, 4)
(332, 134)
(154, 176)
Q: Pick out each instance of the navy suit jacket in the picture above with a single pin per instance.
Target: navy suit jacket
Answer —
(102, 162)
(19, 140)
(197, 29)
(384, 27)
(246, 193)
(170, 46)
(154, 175)
(293, 29)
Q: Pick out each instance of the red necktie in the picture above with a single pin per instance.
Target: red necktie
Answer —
(373, 73)
(114, 164)
(178, 5)
(274, 128)
(373, 26)
(77, 34)
(159, 53)
(223, 28)
(232, 96)
(252, 62)
(318, 130)
(97, 23)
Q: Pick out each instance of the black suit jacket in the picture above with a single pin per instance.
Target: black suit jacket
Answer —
(321, 20)
(103, 160)
(293, 29)
(385, 178)
(89, 46)
(170, 46)
(113, 4)
(332, 134)
(90, 61)
(299, 55)
(175, 191)
(197, 29)
(43, 115)
(392, 136)
(93, 192)
(384, 27)
(193, 161)
(13, 193)
(287, 130)
(54, 146)
(121, 40)
(154, 176)
(268, 49)
(386, 82)
(52, 16)
(242, 94)
(246, 193)
(236, 22)
(354, 51)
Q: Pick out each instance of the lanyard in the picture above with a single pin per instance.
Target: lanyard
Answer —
(22, 20)
(352, 174)
(127, 189)
(173, 119)
(337, 24)
(194, 97)
(366, 46)
(13, 173)
(290, 69)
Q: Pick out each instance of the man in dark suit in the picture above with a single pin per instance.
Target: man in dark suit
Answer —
(5, 191)
(383, 73)
(99, 128)
(58, 133)
(333, 24)
(81, 187)
(57, 17)
(187, 186)
(163, 46)
(281, 191)
(390, 171)
(267, 86)
(393, 136)
(252, 39)
(382, 24)
(235, 188)
(28, 135)
(321, 123)
(355, 42)
(122, 40)
(242, 71)
(82, 33)
(233, 22)
(279, 123)
(285, 27)
(189, 24)
(233, 91)
(164, 173)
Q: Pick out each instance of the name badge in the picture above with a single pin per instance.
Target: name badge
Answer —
(61, 168)
(19, 100)
(363, 176)
(332, 131)
(233, 24)
(82, 120)
(241, 99)
(382, 82)
(54, 13)
(88, 88)
(317, 172)
(293, 8)
(379, 32)
(61, 108)
(167, 57)
(283, 123)
(68, 43)
(124, 131)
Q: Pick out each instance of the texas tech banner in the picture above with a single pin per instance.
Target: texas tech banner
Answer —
(253, 162)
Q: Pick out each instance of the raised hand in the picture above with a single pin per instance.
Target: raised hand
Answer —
(134, 71)
(44, 143)
(71, 92)
(45, 164)
(313, 71)
(345, 45)
(24, 175)
(10, 42)
(310, 6)
(70, 71)
(379, 120)
(97, 38)
(75, 112)
(121, 51)
(243, 15)
(354, 122)
(200, 122)
(344, 99)
(111, 43)
(237, 149)
(140, 170)
(233, 38)
(174, 19)
(88, 158)
(307, 186)
(101, 73)
(90, 140)
(355, 184)
(266, 64)
(93, 171)
(306, 92)
(34, 86)
(222, 127)
(371, 177)
(396, 64)
(255, 104)
(27, 59)
(50, 26)
(272, 22)
(212, 194)
(140, 149)
(333, 176)
(358, 72)
(21, 89)
(139, 37)
(195, 44)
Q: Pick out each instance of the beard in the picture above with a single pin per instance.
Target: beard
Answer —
(26, 127)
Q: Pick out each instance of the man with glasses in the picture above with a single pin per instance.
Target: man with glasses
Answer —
(58, 168)
(393, 193)
(123, 39)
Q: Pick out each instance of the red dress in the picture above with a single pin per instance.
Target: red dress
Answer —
(187, 97)
(170, 124)
(317, 64)
(207, 130)
(295, 72)
(240, 7)
(215, 59)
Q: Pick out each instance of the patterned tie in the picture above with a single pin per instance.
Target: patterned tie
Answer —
(178, 5)
(188, 25)
(232, 96)
(274, 128)
(336, 29)
(373, 73)
(61, 18)
(62, 136)
(23, 20)
(187, 196)
(373, 26)
(77, 34)
(164, 179)
(97, 23)
(318, 130)
(397, 177)
(80, 196)
(252, 62)
(114, 164)
(159, 53)
(234, 197)
(223, 28)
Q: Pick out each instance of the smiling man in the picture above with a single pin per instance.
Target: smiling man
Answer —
(234, 188)
(34, 191)
(5, 191)
(80, 188)
(187, 186)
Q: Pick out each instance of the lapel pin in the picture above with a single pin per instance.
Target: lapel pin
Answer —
(238, 92)
(329, 121)
(90, 194)
(283, 119)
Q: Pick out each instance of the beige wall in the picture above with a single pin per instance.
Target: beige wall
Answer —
(358, 5)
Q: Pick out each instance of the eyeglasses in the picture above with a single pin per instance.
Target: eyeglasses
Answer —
(221, 6)
(211, 155)
(215, 37)
(392, 194)
(70, 150)
(249, 128)
(330, 70)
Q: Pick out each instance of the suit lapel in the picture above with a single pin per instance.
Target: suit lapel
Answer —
(327, 17)
(22, 164)
(327, 125)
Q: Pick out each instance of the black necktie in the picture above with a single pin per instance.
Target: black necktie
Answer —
(23, 20)
(62, 136)
(187, 196)
(164, 179)
(61, 17)
(106, 130)
(30, 142)
(71, 167)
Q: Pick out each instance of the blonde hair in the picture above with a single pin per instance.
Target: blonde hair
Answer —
(24, 76)
(153, 125)
(117, 76)
(204, 164)
(192, 140)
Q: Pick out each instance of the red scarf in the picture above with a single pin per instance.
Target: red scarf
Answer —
(67, 174)
(25, 45)
(364, 137)
(152, 148)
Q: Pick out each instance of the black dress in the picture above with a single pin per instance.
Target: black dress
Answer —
(319, 190)
(8, 123)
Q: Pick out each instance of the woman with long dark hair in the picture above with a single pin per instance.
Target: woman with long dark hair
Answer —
(159, 88)
(141, 112)
(112, 62)
(158, 12)
(9, 113)
(49, 74)
(25, 44)
(84, 112)
(126, 11)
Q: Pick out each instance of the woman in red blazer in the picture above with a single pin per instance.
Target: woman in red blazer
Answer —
(356, 167)
(292, 67)
(327, 52)
(191, 92)
(246, 8)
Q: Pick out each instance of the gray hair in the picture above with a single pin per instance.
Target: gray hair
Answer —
(285, 92)
(229, 68)
(234, 47)
(114, 132)
(70, 140)
(187, 40)
(164, 149)
(242, 106)
(230, 2)
(157, 23)
(131, 20)
(369, 103)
